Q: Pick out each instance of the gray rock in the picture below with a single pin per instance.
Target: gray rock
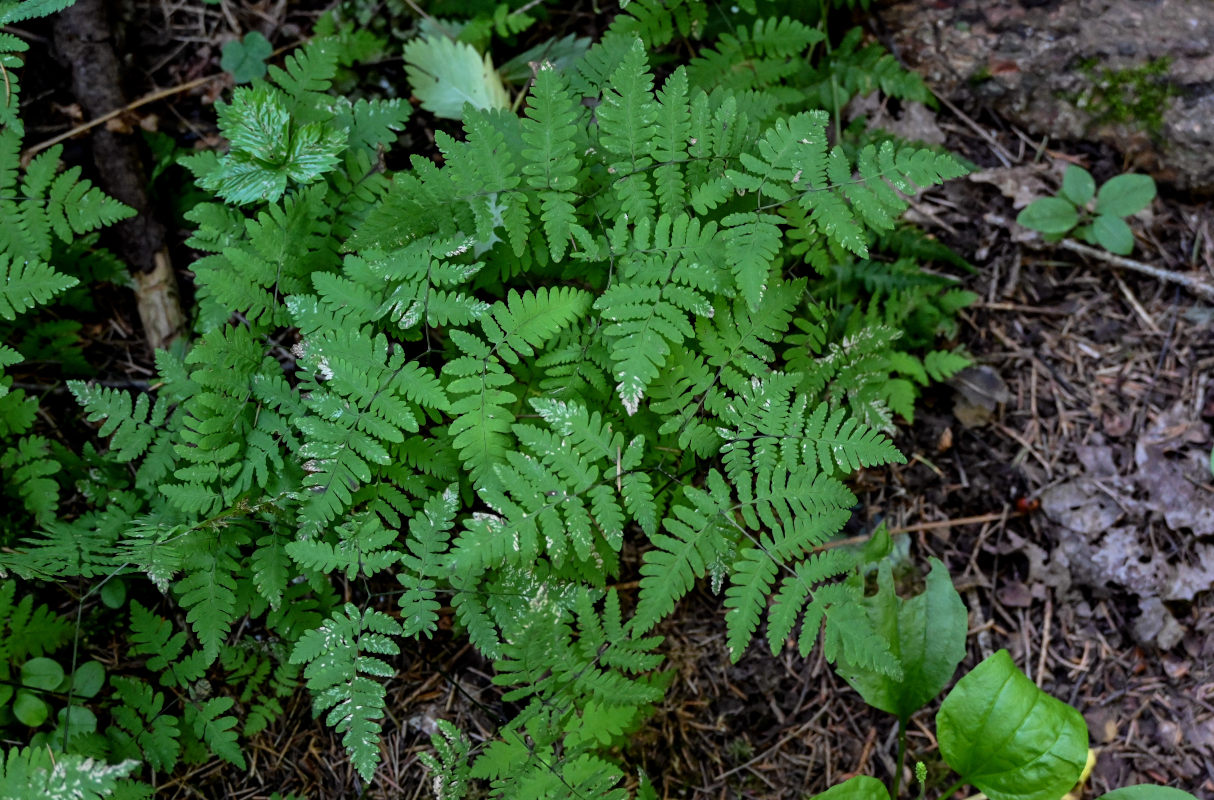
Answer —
(1136, 74)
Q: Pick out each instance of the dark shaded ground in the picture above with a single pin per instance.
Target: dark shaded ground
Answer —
(1101, 594)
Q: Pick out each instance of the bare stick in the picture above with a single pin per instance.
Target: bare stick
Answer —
(1194, 285)
(104, 118)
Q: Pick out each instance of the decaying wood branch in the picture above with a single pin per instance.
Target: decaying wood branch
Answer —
(84, 40)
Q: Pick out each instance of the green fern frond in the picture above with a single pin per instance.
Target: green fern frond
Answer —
(218, 731)
(37, 772)
(429, 533)
(338, 661)
(550, 165)
(25, 285)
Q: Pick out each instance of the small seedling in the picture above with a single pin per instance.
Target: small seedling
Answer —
(246, 58)
(1100, 223)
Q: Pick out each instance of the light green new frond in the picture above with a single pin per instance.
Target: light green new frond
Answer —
(550, 165)
(75, 206)
(306, 74)
(341, 670)
(37, 773)
(941, 365)
(24, 285)
(364, 392)
(755, 570)
(517, 327)
(752, 242)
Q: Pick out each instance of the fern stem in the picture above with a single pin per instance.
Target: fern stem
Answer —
(952, 789)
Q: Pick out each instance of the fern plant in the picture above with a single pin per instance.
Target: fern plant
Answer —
(596, 325)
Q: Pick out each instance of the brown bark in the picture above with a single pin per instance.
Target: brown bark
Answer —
(85, 42)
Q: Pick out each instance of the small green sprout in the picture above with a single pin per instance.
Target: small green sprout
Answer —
(1101, 223)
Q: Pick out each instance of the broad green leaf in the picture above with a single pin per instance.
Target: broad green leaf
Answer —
(29, 710)
(1078, 186)
(926, 634)
(42, 673)
(88, 679)
(113, 593)
(246, 58)
(1125, 195)
(446, 74)
(861, 787)
(77, 720)
(1008, 738)
(1147, 791)
(1113, 234)
(1049, 215)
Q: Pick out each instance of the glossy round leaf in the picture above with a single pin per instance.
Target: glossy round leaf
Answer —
(1008, 738)
(1078, 186)
(1125, 195)
(113, 593)
(42, 673)
(29, 709)
(1113, 234)
(88, 679)
(862, 787)
(1051, 215)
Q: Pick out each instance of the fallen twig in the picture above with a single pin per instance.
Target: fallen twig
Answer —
(117, 112)
(1197, 287)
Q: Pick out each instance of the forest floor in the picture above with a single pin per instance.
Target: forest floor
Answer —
(1065, 482)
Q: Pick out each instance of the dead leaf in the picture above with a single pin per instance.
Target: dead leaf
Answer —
(982, 386)
(1156, 624)
(1080, 506)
